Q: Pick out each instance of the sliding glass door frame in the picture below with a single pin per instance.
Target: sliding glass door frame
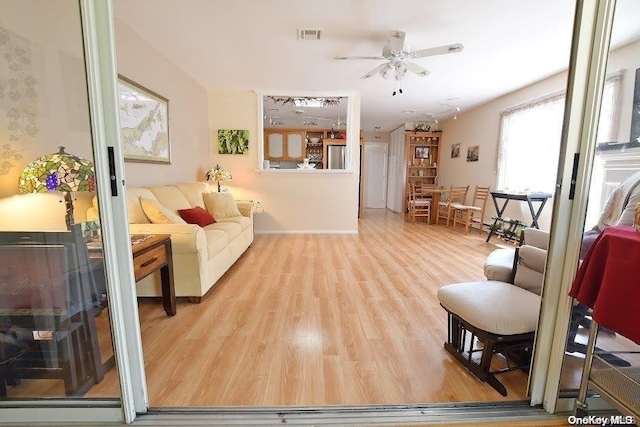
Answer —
(100, 57)
(590, 48)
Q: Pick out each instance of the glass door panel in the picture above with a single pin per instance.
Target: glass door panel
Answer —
(614, 191)
(55, 335)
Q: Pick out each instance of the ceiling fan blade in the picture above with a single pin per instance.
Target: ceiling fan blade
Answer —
(415, 68)
(440, 50)
(359, 57)
(374, 71)
(396, 40)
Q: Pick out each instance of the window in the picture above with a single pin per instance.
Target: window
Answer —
(610, 108)
(530, 138)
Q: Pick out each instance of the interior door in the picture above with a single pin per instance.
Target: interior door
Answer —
(375, 172)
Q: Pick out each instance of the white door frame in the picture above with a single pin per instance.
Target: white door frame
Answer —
(587, 68)
(100, 61)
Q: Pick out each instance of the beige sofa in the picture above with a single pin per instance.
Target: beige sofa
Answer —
(200, 255)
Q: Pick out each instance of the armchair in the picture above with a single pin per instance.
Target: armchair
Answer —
(502, 315)
(499, 265)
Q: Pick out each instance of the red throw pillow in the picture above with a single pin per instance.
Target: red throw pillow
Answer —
(197, 215)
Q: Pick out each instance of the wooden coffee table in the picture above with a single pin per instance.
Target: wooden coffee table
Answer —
(153, 254)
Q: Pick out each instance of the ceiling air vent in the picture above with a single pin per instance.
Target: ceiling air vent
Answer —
(305, 34)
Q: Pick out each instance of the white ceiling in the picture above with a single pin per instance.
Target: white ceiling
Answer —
(252, 45)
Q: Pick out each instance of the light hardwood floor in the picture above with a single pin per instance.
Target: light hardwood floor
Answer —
(315, 320)
(321, 319)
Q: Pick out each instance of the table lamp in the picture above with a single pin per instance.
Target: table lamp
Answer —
(218, 174)
(59, 172)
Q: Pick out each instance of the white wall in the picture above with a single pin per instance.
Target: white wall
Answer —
(51, 34)
(49, 37)
(480, 126)
(293, 202)
(188, 117)
(370, 136)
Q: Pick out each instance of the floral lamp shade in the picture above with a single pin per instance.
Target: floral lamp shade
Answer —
(59, 172)
(218, 174)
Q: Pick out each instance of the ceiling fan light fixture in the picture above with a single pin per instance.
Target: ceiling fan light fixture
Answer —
(385, 71)
(401, 70)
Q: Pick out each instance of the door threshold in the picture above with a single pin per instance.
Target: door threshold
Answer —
(424, 414)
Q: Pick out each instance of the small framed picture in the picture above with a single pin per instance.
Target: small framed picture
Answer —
(455, 151)
(231, 141)
(421, 153)
(473, 153)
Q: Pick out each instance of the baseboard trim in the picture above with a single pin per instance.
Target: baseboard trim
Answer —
(305, 232)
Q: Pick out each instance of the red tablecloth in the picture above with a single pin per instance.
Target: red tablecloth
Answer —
(609, 281)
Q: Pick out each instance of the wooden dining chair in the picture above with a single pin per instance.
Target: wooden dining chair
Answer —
(455, 196)
(419, 204)
(468, 215)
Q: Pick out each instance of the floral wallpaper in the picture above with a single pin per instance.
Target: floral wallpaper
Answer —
(18, 97)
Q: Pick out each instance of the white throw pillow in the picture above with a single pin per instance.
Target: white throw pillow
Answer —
(221, 205)
(159, 214)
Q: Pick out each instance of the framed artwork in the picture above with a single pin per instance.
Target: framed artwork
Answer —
(473, 153)
(635, 113)
(233, 141)
(144, 123)
(421, 153)
(455, 151)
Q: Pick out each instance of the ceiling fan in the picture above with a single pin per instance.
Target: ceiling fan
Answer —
(399, 57)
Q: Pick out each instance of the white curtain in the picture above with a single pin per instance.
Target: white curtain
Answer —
(530, 138)
(530, 145)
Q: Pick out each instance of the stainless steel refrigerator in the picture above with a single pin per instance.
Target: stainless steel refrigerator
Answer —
(336, 156)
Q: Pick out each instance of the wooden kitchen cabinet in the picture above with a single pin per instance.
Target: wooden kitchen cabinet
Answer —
(274, 149)
(284, 145)
(295, 145)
